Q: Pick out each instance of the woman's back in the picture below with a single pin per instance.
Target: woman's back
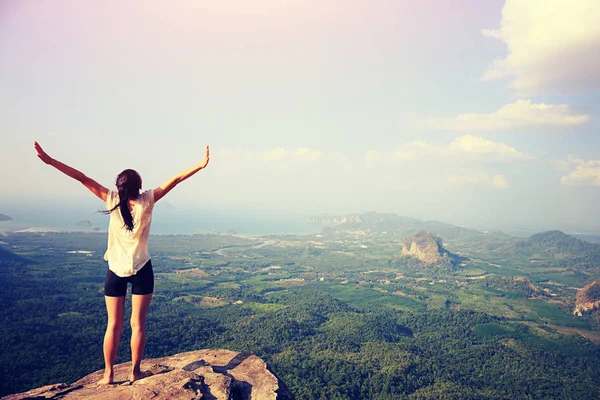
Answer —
(127, 250)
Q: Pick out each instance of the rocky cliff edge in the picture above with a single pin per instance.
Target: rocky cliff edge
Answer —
(201, 374)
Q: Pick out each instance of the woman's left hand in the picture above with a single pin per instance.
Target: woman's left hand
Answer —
(42, 154)
(206, 158)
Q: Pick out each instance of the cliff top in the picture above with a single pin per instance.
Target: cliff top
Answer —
(201, 374)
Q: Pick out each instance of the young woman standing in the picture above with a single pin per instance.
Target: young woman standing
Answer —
(127, 254)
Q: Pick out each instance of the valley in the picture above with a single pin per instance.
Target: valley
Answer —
(371, 307)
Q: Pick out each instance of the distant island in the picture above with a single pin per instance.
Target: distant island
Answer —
(5, 218)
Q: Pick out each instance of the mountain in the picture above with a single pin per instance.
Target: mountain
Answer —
(5, 218)
(555, 245)
(397, 226)
(425, 249)
(201, 374)
(588, 299)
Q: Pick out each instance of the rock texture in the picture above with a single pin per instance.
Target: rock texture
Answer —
(201, 374)
(588, 299)
(425, 247)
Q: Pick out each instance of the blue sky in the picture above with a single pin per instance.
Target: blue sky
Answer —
(483, 114)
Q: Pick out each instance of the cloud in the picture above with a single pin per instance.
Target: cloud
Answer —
(466, 148)
(553, 46)
(498, 181)
(410, 151)
(275, 155)
(475, 145)
(304, 154)
(585, 173)
(520, 114)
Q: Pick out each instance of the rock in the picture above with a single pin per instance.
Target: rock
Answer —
(425, 247)
(588, 299)
(201, 374)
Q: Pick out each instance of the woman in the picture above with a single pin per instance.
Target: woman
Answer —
(127, 254)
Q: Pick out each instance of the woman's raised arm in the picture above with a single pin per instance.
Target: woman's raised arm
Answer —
(94, 187)
(166, 187)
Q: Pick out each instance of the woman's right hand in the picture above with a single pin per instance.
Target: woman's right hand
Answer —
(42, 154)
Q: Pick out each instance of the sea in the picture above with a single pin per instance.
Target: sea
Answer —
(165, 220)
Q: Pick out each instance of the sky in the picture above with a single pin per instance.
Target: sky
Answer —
(481, 114)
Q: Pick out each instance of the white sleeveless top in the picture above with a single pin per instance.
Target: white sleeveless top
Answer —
(127, 251)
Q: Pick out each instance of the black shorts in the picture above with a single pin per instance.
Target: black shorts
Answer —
(141, 283)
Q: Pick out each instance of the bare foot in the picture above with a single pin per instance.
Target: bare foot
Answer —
(108, 378)
(137, 374)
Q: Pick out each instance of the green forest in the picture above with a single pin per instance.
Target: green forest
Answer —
(333, 319)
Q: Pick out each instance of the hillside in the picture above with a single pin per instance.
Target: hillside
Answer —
(335, 316)
(7, 256)
(588, 299)
(555, 245)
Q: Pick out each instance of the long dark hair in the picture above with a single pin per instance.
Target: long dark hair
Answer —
(129, 184)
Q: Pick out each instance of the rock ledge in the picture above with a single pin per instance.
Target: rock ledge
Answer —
(201, 374)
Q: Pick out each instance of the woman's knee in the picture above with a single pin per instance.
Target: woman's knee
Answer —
(137, 324)
(114, 326)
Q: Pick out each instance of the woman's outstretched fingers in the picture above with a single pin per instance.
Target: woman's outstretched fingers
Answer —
(41, 153)
(206, 157)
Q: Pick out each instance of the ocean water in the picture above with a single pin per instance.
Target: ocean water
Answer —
(166, 220)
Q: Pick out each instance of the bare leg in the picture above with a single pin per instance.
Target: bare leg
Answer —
(139, 309)
(114, 308)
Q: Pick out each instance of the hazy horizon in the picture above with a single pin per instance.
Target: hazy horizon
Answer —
(192, 219)
(478, 114)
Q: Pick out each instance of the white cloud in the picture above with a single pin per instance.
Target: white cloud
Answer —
(499, 181)
(585, 173)
(553, 45)
(275, 155)
(304, 154)
(475, 145)
(465, 148)
(410, 151)
(520, 114)
(300, 155)
(336, 157)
